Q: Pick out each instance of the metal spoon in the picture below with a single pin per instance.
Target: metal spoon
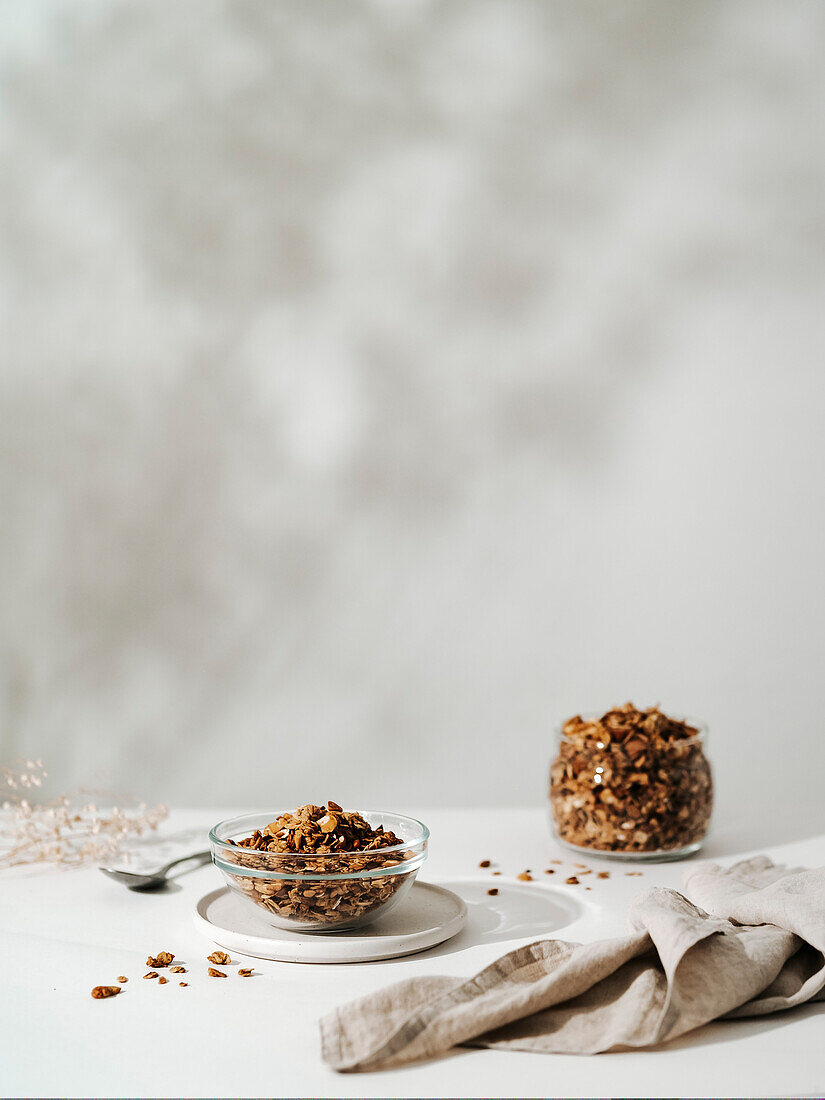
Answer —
(158, 878)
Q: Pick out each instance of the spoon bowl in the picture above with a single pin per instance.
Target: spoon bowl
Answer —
(154, 880)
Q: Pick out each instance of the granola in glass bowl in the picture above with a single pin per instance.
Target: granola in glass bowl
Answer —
(320, 868)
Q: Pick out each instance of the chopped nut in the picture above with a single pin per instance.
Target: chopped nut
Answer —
(334, 806)
(631, 781)
(245, 972)
(213, 973)
(151, 974)
(123, 978)
(525, 876)
(163, 959)
(493, 891)
(484, 863)
(101, 991)
(177, 970)
(219, 958)
(162, 980)
(572, 881)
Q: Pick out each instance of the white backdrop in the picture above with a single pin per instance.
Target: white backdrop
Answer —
(383, 382)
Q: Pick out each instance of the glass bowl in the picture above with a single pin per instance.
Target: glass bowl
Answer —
(320, 892)
(632, 799)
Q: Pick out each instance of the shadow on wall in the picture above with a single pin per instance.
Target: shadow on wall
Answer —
(317, 346)
(272, 288)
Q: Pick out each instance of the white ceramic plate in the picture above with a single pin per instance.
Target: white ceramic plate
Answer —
(428, 915)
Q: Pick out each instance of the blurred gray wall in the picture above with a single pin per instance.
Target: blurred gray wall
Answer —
(383, 382)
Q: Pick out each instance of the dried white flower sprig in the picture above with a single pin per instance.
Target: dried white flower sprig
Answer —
(69, 830)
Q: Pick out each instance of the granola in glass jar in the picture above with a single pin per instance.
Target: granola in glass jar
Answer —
(632, 784)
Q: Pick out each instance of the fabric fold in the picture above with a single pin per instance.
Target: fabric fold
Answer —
(744, 940)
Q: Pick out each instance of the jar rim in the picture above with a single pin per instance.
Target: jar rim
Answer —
(700, 737)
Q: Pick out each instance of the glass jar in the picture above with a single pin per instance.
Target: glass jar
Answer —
(632, 785)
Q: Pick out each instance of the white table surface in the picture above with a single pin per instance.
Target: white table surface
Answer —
(63, 932)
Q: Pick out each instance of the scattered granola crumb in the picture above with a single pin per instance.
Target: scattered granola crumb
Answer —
(183, 983)
(151, 974)
(587, 887)
(496, 872)
(493, 891)
(219, 958)
(586, 872)
(602, 874)
(164, 958)
(162, 980)
(525, 876)
(484, 863)
(632, 874)
(334, 806)
(556, 861)
(582, 865)
(245, 972)
(123, 979)
(177, 970)
(550, 871)
(572, 881)
(101, 991)
(213, 973)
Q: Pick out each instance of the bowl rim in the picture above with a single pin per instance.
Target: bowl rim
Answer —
(422, 838)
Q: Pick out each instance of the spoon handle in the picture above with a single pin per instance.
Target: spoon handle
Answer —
(200, 857)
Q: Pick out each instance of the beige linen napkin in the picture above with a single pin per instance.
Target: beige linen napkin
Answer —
(755, 946)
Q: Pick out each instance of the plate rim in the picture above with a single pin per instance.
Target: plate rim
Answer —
(394, 945)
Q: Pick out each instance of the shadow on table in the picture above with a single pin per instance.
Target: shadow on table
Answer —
(146, 853)
(763, 831)
(141, 855)
(516, 912)
(723, 1031)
